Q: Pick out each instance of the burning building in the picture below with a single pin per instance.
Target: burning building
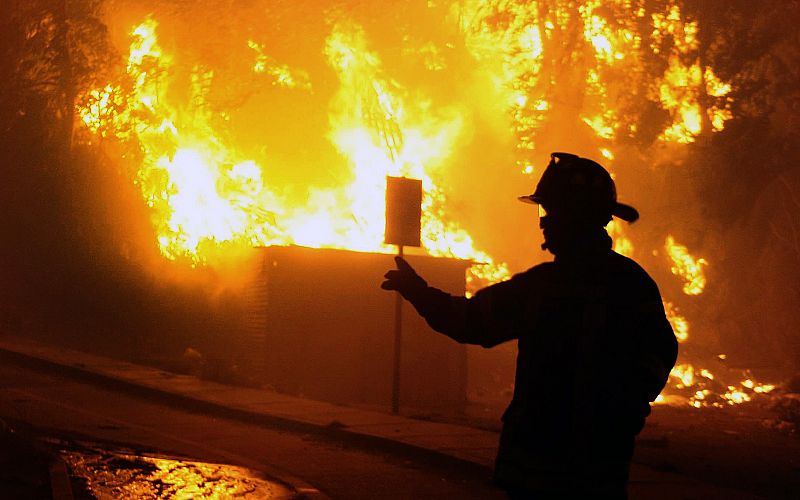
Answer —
(275, 124)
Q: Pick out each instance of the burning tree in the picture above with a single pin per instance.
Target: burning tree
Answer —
(276, 124)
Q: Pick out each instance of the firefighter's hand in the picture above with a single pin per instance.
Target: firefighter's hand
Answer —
(403, 279)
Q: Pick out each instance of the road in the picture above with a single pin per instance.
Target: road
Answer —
(73, 409)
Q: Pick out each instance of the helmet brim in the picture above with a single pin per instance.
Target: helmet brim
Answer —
(621, 210)
(625, 212)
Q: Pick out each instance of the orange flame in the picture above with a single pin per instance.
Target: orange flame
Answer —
(687, 267)
(206, 198)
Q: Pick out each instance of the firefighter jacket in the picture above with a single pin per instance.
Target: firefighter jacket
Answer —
(594, 349)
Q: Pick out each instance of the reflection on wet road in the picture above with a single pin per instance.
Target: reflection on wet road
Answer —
(123, 475)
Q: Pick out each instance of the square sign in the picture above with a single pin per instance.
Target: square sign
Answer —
(403, 211)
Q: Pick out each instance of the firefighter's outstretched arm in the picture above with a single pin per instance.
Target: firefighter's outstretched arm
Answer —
(440, 309)
(470, 321)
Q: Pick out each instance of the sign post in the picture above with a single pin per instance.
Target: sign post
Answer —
(403, 225)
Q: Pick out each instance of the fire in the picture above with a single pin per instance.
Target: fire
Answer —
(759, 388)
(383, 135)
(207, 199)
(685, 82)
(686, 267)
(201, 194)
(679, 324)
(679, 95)
(376, 127)
(685, 375)
(702, 390)
(622, 244)
(508, 40)
(281, 74)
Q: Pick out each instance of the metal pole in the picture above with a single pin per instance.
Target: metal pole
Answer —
(398, 342)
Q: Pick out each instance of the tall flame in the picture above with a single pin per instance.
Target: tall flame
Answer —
(207, 198)
(687, 267)
(685, 81)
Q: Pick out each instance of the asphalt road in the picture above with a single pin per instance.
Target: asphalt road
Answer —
(73, 409)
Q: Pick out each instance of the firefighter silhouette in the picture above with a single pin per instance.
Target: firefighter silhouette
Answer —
(594, 344)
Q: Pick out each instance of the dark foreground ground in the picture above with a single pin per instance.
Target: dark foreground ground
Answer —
(738, 448)
(750, 448)
(753, 447)
(24, 464)
(743, 447)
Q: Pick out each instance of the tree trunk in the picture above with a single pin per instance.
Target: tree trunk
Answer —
(66, 77)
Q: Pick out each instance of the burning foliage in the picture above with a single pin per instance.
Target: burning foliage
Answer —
(276, 123)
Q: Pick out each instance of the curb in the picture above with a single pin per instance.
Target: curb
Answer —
(60, 482)
(331, 430)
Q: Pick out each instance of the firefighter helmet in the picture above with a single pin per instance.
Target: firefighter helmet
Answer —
(579, 186)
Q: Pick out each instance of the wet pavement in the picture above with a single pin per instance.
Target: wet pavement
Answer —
(34, 466)
(459, 443)
(120, 474)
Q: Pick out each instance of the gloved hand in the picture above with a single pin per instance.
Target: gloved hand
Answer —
(403, 279)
